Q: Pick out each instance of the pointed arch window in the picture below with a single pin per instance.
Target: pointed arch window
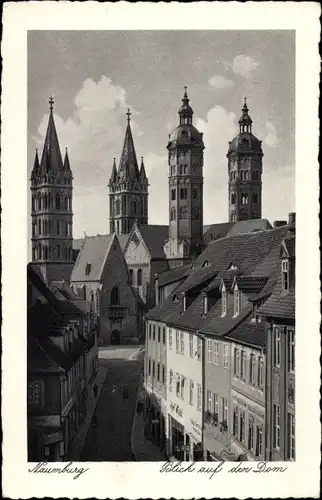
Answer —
(66, 228)
(173, 170)
(117, 207)
(39, 202)
(65, 203)
(58, 227)
(244, 199)
(173, 194)
(115, 296)
(183, 193)
(195, 213)
(183, 213)
(57, 202)
(195, 193)
(58, 251)
(233, 198)
(255, 197)
(33, 204)
(39, 227)
(49, 200)
(185, 169)
(139, 277)
(173, 214)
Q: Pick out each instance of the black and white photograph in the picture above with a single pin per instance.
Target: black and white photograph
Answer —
(160, 238)
(161, 282)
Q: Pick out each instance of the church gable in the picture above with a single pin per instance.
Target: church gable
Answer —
(136, 251)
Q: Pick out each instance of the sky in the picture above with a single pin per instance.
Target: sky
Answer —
(95, 75)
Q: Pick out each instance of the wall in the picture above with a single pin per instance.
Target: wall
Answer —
(217, 380)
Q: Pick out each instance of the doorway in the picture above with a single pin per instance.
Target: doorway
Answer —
(115, 337)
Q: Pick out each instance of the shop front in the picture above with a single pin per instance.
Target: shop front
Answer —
(184, 436)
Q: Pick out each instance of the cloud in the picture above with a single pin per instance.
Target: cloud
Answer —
(278, 191)
(271, 138)
(244, 66)
(220, 82)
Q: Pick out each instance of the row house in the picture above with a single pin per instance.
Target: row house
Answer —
(279, 315)
(216, 347)
(61, 345)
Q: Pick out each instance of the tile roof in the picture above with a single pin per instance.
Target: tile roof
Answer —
(279, 305)
(251, 283)
(173, 275)
(93, 252)
(38, 361)
(154, 237)
(249, 226)
(249, 332)
(213, 232)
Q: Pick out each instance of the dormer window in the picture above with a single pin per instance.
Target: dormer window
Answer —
(206, 264)
(184, 302)
(236, 302)
(205, 304)
(88, 268)
(285, 275)
(224, 303)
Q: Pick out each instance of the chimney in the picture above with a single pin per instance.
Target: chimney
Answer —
(279, 223)
(291, 218)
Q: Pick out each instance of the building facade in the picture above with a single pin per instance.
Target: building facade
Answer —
(245, 172)
(51, 208)
(128, 188)
(185, 160)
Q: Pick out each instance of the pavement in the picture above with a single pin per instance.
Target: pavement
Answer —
(143, 449)
(108, 437)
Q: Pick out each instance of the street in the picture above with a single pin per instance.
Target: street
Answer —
(109, 434)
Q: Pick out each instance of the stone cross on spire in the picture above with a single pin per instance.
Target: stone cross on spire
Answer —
(51, 104)
(128, 114)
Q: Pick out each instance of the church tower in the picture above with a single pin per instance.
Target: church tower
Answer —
(185, 161)
(245, 172)
(51, 209)
(128, 187)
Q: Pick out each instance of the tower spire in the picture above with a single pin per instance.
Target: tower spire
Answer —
(51, 104)
(128, 114)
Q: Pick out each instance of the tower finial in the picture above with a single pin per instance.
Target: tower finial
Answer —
(185, 91)
(51, 104)
(128, 114)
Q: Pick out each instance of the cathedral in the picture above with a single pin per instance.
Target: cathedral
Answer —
(140, 250)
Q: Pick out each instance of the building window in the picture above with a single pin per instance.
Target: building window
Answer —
(183, 213)
(183, 193)
(242, 426)
(255, 198)
(225, 412)
(173, 214)
(88, 268)
(243, 365)
(199, 398)
(290, 436)
(149, 331)
(209, 401)
(236, 362)
(115, 296)
(163, 374)
(57, 201)
(139, 277)
(233, 199)
(173, 194)
(153, 338)
(173, 170)
(58, 251)
(236, 302)
(178, 385)
(216, 353)
(35, 393)
(159, 333)
(185, 169)
(158, 372)
(205, 304)
(170, 338)
(216, 408)
(149, 372)
(170, 380)
(291, 350)
(276, 426)
(259, 441)
(225, 355)
(181, 343)
(184, 302)
(177, 342)
(277, 347)
(163, 335)
(182, 388)
(252, 369)
(244, 199)
(260, 378)
(285, 275)
(194, 193)
(191, 345)
(131, 276)
(235, 421)
(153, 368)
(209, 351)
(191, 389)
(224, 303)
(199, 349)
(250, 434)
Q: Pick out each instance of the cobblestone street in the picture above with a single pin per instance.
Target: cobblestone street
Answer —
(109, 435)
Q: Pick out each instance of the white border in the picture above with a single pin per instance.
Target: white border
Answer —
(137, 480)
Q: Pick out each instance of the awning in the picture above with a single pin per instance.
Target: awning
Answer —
(239, 452)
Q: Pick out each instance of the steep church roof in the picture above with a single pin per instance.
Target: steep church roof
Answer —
(91, 258)
(128, 167)
(51, 159)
